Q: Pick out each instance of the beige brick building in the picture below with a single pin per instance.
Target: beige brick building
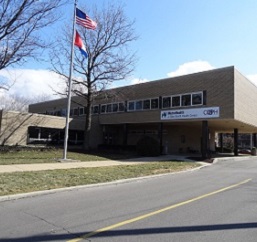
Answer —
(31, 128)
(183, 113)
(14, 126)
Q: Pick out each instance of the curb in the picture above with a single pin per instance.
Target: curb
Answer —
(234, 158)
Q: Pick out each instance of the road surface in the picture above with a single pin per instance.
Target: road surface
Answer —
(215, 203)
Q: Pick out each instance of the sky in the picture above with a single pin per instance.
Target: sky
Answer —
(176, 37)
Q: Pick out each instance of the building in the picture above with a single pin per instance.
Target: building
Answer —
(183, 113)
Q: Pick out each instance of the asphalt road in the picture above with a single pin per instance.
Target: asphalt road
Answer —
(215, 203)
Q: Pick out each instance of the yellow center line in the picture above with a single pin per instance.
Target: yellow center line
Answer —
(156, 212)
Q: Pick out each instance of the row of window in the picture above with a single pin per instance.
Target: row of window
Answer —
(109, 108)
(63, 112)
(181, 100)
(131, 106)
(146, 104)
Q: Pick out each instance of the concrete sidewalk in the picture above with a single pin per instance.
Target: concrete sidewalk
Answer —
(78, 164)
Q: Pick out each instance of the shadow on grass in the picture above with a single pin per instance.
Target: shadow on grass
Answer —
(110, 154)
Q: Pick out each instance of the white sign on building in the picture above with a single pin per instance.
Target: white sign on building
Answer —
(193, 113)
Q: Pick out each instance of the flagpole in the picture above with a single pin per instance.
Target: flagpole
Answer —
(69, 87)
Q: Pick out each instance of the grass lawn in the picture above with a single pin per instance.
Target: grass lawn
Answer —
(53, 155)
(22, 182)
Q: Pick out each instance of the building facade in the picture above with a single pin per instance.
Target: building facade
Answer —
(183, 113)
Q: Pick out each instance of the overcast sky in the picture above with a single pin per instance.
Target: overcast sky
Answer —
(176, 37)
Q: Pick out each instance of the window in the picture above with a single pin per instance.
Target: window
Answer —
(75, 111)
(121, 107)
(131, 106)
(154, 103)
(139, 105)
(197, 98)
(63, 112)
(146, 104)
(109, 108)
(71, 112)
(115, 107)
(176, 101)
(81, 111)
(58, 113)
(96, 109)
(103, 108)
(166, 102)
(186, 100)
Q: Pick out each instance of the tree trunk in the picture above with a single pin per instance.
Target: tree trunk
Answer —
(86, 143)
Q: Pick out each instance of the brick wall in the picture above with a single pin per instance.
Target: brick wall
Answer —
(218, 84)
(245, 100)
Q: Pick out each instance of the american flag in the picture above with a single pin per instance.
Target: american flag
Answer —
(83, 20)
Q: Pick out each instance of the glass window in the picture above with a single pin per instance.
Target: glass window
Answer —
(103, 108)
(166, 102)
(71, 112)
(81, 111)
(75, 111)
(146, 104)
(197, 98)
(115, 107)
(121, 107)
(131, 106)
(63, 112)
(139, 105)
(154, 103)
(96, 109)
(176, 101)
(109, 108)
(186, 100)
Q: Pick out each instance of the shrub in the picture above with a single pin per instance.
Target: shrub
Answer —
(148, 146)
(253, 151)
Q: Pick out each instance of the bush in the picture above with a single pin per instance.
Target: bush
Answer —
(253, 151)
(148, 146)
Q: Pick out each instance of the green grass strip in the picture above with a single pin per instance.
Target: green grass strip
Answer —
(23, 182)
(52, 156)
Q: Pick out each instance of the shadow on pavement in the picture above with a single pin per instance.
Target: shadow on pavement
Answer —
(135, 232)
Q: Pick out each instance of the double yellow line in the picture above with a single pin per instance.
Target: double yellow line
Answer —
(156, 212)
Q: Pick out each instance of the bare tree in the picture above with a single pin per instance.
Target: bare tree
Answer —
(20, 24)
(109, 57)
(20, 103)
